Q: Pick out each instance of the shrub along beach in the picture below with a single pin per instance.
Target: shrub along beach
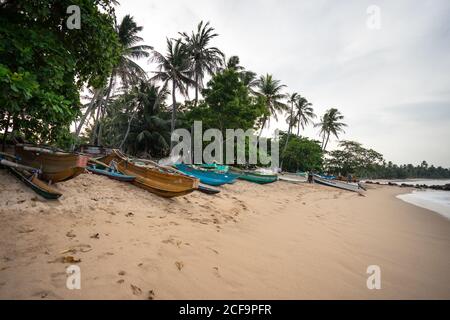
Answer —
(87, 179)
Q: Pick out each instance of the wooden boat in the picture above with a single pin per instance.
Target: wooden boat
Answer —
(292, 178)
(109, 172)
(254, 176)
(207, 177)
(207, 190)
(55, 166)
(38, 186)
(337, 184)
(158, 179)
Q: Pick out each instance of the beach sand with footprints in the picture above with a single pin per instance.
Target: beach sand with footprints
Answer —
(275, 241)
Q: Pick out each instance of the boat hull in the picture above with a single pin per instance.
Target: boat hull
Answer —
(110, 174)
(337, 184)
(163, 183)
(254, 177)
(291, 178)
(55, 167)
(207, 177)
(36, 185)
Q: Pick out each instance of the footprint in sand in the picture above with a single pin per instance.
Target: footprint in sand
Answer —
(136, 290)
(216, 272)
(179, 265)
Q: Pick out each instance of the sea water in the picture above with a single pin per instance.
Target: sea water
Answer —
(435, 200)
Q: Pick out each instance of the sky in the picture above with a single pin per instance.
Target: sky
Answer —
(384, 64)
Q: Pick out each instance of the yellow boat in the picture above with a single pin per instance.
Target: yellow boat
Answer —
(55, 166)
(159, 180)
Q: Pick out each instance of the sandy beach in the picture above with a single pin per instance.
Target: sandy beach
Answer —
(276, 241)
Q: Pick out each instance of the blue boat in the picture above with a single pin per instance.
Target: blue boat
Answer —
(109, 172)
(207, 177)
(327, 177)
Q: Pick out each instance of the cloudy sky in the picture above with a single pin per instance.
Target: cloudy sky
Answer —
(392, 84)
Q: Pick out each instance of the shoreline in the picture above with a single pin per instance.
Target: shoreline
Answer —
(277, 241)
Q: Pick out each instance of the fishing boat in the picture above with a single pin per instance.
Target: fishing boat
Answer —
(157, 179)
(108, 171)
(302, 174)
(292, 178)
(207, 190)
(29, 176)
(37, 185)
(55, 165)
(337, 184)
(207, 177)
(254, 176)
(214, 167)
(327, 177)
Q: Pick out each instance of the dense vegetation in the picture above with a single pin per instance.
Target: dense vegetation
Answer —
(47, 69)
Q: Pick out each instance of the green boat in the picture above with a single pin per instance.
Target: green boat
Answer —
(254, 176)
(214, 166)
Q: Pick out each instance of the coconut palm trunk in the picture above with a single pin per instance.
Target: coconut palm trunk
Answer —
(102, 109)
(174, 111)
(6, 131)
(128, 130)
(87, 112)
(196, 89)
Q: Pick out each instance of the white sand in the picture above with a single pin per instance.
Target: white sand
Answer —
(277, 241)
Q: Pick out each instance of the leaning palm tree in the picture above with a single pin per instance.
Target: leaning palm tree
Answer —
(270, 89)
(205, 59)
(304, 113)
(174, 68)
(330, 124)
(127, 70)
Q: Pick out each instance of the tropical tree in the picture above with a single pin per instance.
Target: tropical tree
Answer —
(270, 89)
(44, 65)
(304, 113)
(290, 118)
(174, 68)
(204, 58)
(127, 70)
(137, 121)
(330, 123)
(248, 78)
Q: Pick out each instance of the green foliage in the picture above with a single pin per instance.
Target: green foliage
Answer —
(138, 122)
(44, 64)
(301, 154)
(352, 158)
(227, 104)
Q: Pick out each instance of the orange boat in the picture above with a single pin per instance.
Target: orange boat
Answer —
(159, 180)
(56, 166)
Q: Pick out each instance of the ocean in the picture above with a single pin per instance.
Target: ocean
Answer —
(434, 200)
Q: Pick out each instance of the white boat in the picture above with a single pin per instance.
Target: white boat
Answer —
(292, 178)
(337, 184)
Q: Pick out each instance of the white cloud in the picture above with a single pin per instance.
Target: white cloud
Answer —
(323, 50)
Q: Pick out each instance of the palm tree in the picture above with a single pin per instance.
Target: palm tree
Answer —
(127, 70)
(174, 68)
(151, 128)
(304, 113)
(270, 90)
(330, 124)
(290, 120)
(205, 59)
(247, 77)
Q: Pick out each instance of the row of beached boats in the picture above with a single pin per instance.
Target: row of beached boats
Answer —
(40, 167)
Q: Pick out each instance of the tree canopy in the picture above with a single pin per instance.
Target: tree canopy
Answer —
(44, 65)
